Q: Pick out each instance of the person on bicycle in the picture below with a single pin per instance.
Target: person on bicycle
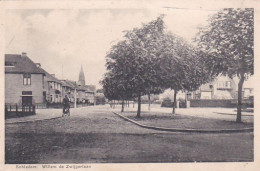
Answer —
(66, 104)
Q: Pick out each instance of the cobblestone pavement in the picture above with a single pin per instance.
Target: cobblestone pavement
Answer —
(95, 135)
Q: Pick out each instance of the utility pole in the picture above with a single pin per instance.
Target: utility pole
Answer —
(75, 98)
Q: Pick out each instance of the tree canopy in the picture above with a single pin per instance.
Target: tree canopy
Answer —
(149, 60)
(228, 41)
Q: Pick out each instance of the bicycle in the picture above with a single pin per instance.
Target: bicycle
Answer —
(66, 112)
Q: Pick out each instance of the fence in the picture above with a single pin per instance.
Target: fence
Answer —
(60, 105)
(226, 103)
(12, 111)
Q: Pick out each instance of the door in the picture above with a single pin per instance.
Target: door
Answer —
(44, 96)
(27, 100)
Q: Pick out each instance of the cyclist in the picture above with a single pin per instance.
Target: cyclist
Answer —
(66, 105)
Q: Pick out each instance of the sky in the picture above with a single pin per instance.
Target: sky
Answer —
(63, 40)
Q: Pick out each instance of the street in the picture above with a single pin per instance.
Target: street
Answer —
(96, 135)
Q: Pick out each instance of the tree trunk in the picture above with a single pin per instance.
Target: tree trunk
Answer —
(149, 101)
(239, 100)
(139, 106)
(123, 105)
(174, 102)
(114, 104)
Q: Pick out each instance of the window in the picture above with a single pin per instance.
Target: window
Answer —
(26, 92)
(26, 79)
(227, 84)
(10, 64)
(224, 84)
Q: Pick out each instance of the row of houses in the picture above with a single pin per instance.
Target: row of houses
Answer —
(27, 83)
(221, 88)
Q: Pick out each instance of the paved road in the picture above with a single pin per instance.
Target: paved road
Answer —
(94, 134)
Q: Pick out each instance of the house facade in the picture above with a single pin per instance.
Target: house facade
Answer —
(24, 81)
(54, 89)
(221, 88)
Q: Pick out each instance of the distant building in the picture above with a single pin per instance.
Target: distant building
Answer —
(68, 88)
(85, 93)
(26, 83)
(81, 81)
(54, 89)
(220, 88)
(24, 80)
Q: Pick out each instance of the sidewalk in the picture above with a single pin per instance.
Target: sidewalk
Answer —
(41, 114)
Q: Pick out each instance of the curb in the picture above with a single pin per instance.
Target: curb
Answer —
(231, 114)
(37, 120)
(187, 130)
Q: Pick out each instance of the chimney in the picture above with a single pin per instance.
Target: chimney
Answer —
(24, 54)
(38, 65)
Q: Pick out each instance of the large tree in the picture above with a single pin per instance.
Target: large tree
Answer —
(117, 83)
(229, 42)
(182, 66)
(145, 42)
(134, 61)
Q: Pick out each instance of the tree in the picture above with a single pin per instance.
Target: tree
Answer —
(133, 62)
(145, 42)
(182, 66)
(228, 41)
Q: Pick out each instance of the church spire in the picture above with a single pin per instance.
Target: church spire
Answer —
(81, 77)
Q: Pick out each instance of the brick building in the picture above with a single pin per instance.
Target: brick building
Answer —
(26, 83)
(54, 89)
(24, 80)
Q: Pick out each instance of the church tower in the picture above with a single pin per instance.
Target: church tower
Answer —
(81, 77)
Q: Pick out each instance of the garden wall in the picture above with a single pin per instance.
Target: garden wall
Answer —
(227, 103)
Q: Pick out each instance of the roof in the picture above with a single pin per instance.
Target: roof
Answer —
(73, 84)
(70, 83)
(22, 64)
(91, 87)
(52, 78)
(65, 83)
(83, 88)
